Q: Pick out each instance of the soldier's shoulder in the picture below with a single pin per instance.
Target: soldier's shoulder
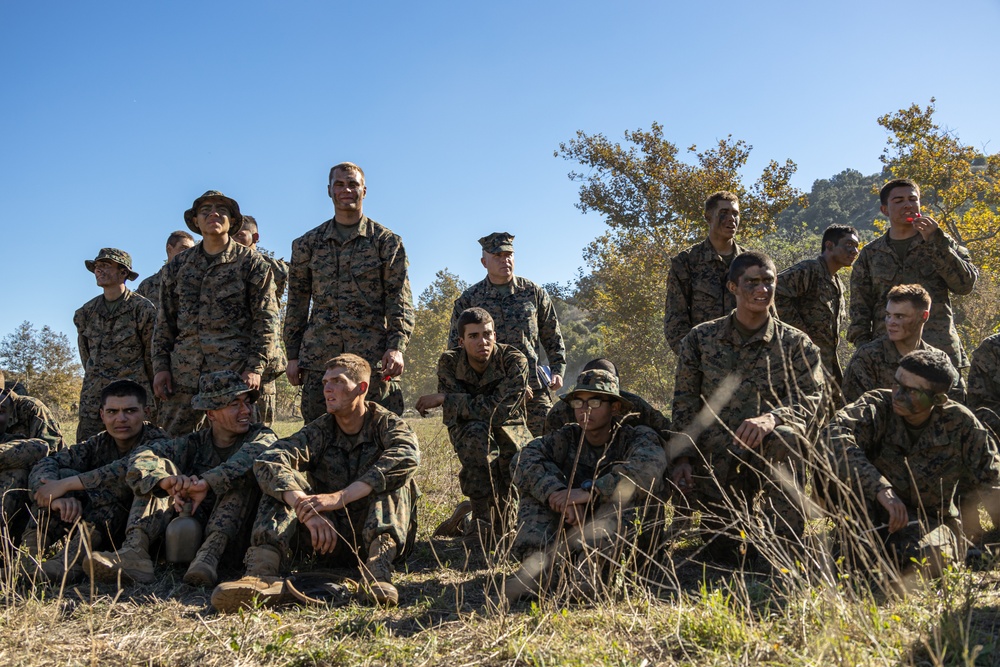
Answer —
(313, 235)
(955, 413)
(511, 352)
(383, 417)
(807, 265)
(25, 402)
(383, 233)
(709, 329)
(689, 253)
(89, 306)
(989, 344)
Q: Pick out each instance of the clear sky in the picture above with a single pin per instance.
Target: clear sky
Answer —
(116, 115)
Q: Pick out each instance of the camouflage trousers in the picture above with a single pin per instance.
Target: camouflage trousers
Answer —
(17, 457)
(393, 513)
(388, 395)
(925, 543)
(266, 406)
(749, 495)
(538, 409)
(485, 454)
(176, 416)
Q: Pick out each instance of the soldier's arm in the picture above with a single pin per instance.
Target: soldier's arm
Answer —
(953, 263)
(494, 407)
(858, 377)
(981, 455)
(807, 390)
(81, 342)
(149, 465)
(863, 307)
(687, 401)
(851, 434)
(550, 334)
(280, 467)
(794, 284)
(398, 304)
(536, 471)
(460, 305)
(677, 309)
(42, 424)
(165, 329)
(400, 457)
(299, 294)
(642, 469)
(146, 317)
(984, 376)
(264, 314)
(225, 476)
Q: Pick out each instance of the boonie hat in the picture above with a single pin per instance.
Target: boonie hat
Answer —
(218, 389)
(235, 217)
(113, 255)
(598, 381)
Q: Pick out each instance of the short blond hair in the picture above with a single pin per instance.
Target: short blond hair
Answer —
(347, 166)
(354, 367)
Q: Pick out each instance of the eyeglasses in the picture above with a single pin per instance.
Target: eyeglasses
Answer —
(577, 403)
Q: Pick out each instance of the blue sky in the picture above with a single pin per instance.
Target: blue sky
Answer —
(117, 115)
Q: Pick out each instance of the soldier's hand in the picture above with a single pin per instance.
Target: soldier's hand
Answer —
(68, 509)
(753, 430)
(324, 537)
(293, 373)
(195, 490)
(163, 385)
(429, 402)
(898, 516)
(49, 491)
(168, 484)
(252, 379)
(573, 515)
(392, 363)
(308, 506)
(926, 225)
(681, 475)
(557, 383)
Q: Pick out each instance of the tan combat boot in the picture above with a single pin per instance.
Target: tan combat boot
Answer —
(68, 561)
(203, 570)
(454, 525)
(132, 561)
(376, 573)
(261, 581)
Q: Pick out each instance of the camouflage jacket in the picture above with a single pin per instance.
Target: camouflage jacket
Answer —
(277, 361)
(634, 458)
(874, 366)
(384, 454)
(696, 291)
(196, 454)
(811, 299)
(777, 370)
(359, 291)
(642, 414)
(940, 265)
(28, 417)
(984, 382)
(522, 318)
(115, 346)
(953, 456)
(496, 396)
(96, 460)
(216, 313)
(150, 287)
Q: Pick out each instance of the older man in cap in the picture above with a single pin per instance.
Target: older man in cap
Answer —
(348, 291)
(114, 334)
(212, 469)
(523, 315)
(218, 311)
(595, 479)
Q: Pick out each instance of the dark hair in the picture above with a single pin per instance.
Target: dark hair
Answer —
(746, 260)
(883, 194)
(914, 294)
(177, 236)
(250, 221)
(472, 316)
(123, 388)
(347, 166)
(716, 197)
(834, 233)
(356, 368)
(601, 364)
(933, 366)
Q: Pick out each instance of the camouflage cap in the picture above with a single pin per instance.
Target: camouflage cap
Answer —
(113, 255)
(497, 242)
(597, 381)
(235, 217)
(218, 389)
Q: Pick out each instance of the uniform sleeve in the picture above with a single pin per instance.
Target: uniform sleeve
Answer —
(400, 456)
(536, 471)
(642, 469)
(146, 316)
(461, 303)
(677, 310)
(299, 293)
(863, 302)
(494, 407)
(853, 432)
(165, 329)
(807, 390)
(984, 376)
(859, 376)
(79, 457)
(263, 313)
(277, 467)
(793, 284)
(687, 389)
(953, 263)
(223, 477)
(151, 463)
(550, 334)
(399, 314)
(80, 320)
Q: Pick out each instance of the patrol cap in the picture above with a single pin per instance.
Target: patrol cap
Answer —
(597, 381)
(219, 389)
(113, 255)
(497, 242)
(235, 217)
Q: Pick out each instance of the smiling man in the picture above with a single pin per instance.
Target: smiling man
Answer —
(115, 332)
(912, 456)
(764, 384)
(218, 311)
(483, 387)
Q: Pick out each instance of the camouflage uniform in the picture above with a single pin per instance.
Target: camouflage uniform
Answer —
(150, 287)
(113, 346)
(696, 291)
(874, 366)
(939, 265)
(954, 456)
(523, 315)
(321, 459)
(267, 404)
(811, 299)
(777, 370)
(233, 495)
(641, 414)
(106, 497)
(485, 416)
(359, 291)
(31, 433)
(984, 383)
(216, 312)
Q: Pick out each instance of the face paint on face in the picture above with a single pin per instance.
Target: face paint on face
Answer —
(911, 399)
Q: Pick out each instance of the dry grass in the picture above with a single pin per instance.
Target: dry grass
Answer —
(449, 615)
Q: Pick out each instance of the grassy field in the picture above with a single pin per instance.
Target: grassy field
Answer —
(449, 614)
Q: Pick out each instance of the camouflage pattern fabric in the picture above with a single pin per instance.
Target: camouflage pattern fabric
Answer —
(486, 418)
(940, 265)
(641, 414)
(28, 417)
(320, 458)
(874, 366)
(811, 299)
(216, 313)
(625, 473)
(150, 287)
(359, 293)
(113, 346)
(523, 316)
(17, 456)
(696, 291)
(387, 394)
(984, 383)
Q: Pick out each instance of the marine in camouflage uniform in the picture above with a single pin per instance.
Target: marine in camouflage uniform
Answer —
(114, 337)
(903, 256)
(214, 466)
(984, 383)
(524, 316)
(177, 242)
(217, 312)
(874, 365)
(930, 467)
(747, 374)
(348, 291)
